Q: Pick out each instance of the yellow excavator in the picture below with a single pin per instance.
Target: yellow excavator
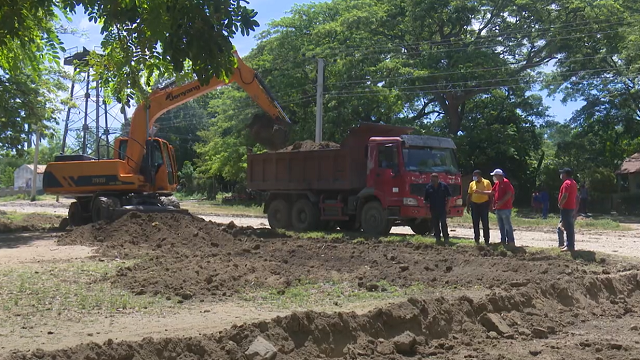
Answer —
(142, 176)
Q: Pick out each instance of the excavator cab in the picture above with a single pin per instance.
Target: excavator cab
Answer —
(158, 164)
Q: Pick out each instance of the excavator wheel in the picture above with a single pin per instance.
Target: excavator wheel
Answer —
(75, 214)
(170, 201)
(103, 208)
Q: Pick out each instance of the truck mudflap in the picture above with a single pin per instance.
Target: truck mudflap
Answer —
(413, 212)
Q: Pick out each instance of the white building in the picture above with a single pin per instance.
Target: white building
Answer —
(23, 176)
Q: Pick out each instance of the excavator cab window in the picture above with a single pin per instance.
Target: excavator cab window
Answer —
(168, 161)
(122, 149)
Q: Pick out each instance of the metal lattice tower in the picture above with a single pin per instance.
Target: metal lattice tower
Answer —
(89, 120)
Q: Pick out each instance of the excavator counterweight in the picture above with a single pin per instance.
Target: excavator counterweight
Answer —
(142, 176)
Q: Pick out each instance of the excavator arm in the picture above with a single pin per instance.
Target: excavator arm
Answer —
(270, 131)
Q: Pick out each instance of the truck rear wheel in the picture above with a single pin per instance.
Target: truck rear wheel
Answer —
(305, 216)
(375, 220)
(421, 227)
(279, 215)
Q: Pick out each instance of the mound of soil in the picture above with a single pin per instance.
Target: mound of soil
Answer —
(185, 256)
(309, 145)
(30, 222)
(552, 320)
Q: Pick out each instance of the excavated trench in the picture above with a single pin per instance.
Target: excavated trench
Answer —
(536, 305)
(591, 317)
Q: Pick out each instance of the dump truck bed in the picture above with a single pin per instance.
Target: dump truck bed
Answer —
(326, 169)
(339, 169)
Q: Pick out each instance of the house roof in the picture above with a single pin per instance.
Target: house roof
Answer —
(40, 168)
(631, 165)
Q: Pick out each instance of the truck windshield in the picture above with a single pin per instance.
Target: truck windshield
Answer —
(430, 160)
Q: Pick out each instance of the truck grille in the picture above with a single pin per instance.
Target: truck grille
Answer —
(418, 189)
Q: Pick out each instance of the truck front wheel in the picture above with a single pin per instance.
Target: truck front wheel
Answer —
(375, 220)
(421, 227)
(305, 216)
(279, 215)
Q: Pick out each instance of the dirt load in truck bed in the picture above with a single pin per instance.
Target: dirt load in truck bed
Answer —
(188, 257)
(309, 145)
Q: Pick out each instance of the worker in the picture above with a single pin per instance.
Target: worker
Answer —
(568, 203)
(503, 194)
(437, 194)
(479, 206)
(584, 197)
(544, 199)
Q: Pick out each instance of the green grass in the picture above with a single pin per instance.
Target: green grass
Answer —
(68, 289)
(526, 220)
(307, 294)
(216, 207)
(357, 237)
(12, 216)
(26, 197)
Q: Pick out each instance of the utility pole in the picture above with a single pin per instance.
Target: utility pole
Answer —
(85, 126)
(319, 100)
(97, 143)
(34, 179)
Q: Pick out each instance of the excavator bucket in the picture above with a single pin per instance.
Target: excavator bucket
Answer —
(268, 132)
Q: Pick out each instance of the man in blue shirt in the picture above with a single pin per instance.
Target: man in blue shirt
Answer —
(437, 195)
(544, 199)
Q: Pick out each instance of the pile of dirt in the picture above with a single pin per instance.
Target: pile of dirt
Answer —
(553, 321)
(309, 145)
(29, 222)
(185, 256)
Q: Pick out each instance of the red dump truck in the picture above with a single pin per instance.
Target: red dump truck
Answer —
(375, 180)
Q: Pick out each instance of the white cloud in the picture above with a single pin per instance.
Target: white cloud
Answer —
(85, 24)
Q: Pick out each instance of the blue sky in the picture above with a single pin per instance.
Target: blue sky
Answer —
(267, 10)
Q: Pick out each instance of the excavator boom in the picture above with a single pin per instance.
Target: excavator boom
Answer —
(270, 131)
(142, 176)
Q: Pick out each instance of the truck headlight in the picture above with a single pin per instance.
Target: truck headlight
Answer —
(459, 202)
(410, 201)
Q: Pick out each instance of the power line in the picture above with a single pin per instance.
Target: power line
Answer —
(483, 38)
(458, 72)
(524, 77)
(371, 93)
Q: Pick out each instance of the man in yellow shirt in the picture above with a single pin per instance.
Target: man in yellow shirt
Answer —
(479, 205)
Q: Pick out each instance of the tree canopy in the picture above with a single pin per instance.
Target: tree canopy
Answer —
(465, 69)
(143, 41)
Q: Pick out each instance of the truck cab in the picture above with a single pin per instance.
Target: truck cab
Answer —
(399, 169)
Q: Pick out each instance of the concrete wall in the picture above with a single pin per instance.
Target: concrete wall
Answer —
(23, 177)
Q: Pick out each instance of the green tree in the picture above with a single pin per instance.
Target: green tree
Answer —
(181, 128)
(433, 56)
(142, 39)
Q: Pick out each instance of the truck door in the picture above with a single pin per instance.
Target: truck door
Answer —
(385, 174)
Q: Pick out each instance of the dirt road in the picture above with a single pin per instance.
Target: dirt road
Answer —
(625, 243)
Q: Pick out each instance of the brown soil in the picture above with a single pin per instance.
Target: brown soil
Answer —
(308, 145)
(186, 256)
(569, 318)
(29, 222)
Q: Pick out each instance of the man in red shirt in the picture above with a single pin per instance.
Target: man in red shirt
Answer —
(503, 205)
(568, 202)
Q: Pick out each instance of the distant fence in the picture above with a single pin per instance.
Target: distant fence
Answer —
(10, 191)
